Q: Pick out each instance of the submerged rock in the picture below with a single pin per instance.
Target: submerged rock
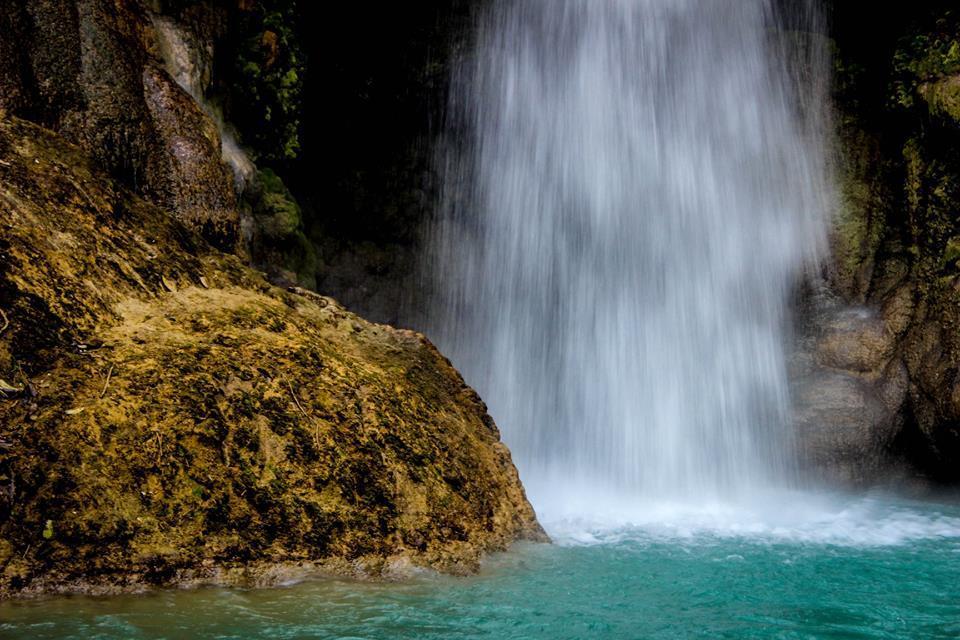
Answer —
(178, 420)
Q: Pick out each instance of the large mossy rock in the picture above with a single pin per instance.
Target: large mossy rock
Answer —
(168, 417)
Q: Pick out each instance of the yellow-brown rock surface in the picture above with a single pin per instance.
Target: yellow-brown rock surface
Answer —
(168, 417)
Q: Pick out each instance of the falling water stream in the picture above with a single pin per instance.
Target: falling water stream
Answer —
(631, 192)
(631, 189)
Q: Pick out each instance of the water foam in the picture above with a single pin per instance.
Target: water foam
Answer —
(773, 518)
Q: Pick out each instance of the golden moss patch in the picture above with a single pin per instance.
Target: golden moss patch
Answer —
(179, 416)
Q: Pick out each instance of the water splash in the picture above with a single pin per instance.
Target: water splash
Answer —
(631, 188)
(811, 519)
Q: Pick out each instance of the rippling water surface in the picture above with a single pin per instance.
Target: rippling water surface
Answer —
(834, 568)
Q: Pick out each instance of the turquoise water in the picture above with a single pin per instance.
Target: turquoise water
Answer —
(854, 568)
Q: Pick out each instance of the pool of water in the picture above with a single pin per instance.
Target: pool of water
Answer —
(841, 568)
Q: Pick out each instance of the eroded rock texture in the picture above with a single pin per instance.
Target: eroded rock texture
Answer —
(91, 70)
(168, 417)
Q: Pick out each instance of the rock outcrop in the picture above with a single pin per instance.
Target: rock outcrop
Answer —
(168, 417)
(878, 366)
(92, 71)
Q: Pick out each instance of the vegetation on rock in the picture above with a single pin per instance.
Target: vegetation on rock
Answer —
(168, 417)
(266, 82)
(278, 241)
(895, 250)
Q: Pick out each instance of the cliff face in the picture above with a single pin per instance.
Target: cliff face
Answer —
(167, 416)
(92, 71)
(879, 377)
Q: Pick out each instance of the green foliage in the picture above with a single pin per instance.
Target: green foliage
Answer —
(922, 58)
(952, 253)
(267, 91)
(274, 207)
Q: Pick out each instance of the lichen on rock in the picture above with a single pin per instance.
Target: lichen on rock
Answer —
(175, 419)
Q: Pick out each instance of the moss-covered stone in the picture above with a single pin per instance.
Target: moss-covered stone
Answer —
(943, 97)
(858, 224)
(274, 207)
(172, 418)
(278, 242)
(951, 254)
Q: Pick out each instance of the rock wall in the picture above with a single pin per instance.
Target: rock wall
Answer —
(91, 70)
(878, 371)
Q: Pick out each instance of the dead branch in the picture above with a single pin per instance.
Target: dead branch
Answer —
(107, 383)
(294, 395)
(6, 321)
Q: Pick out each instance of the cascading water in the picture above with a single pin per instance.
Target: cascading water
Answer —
(631, 187)
(630, 192)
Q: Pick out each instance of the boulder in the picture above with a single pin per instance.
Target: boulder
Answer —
(168, 417)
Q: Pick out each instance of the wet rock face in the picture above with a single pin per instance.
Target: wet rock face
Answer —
(848, 393)
(89, 69)
(854, 340)
(877, 365)
(188, 173)
(168, 417)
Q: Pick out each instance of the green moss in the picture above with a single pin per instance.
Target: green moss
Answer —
(858, 226)
(943, 97)
(922, 60)
(280, 240)
(951, 255)
(274, 207)
(266, 97)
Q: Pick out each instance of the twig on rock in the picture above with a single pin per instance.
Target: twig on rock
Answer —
(7, 390)
(107, 383)
(159, 448)
(316, 425)
(6, 321)
(294, 395)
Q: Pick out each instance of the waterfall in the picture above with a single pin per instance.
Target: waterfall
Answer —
(630, 190)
